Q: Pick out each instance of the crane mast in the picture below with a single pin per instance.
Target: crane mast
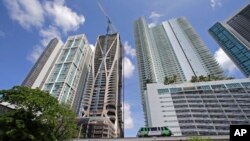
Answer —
(110, 27)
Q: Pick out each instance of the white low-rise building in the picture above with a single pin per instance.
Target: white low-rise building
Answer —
(202, 108)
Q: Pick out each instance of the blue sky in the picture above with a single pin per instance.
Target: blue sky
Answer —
(26, 26)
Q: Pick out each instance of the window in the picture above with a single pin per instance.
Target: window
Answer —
(220, 122)
(218, 87)
(233, 85)
(77, 42)
(71, 54)
(143, 129)
(204, 87)
(222, 127)
(48, 87)
(188, 88)
(69, 43)
(175, 90)
(153, 129)
(163, 91)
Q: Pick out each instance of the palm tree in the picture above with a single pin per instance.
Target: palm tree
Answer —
(229, 78)
(147, 81)
(166, 81)
(175, 78)
(170, 80)
(202, 78)
(209, 77)
(194, 79)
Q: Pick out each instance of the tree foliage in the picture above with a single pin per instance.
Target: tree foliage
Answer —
(147, 81)
(170, 80)
(37, 116)
(202, 78)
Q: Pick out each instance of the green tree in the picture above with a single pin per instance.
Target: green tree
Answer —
(194, 79)
(208, 78)
(147, 81)
(174, 78)
(166, 80)
(202, 78)
(170, 80)
(37, 116)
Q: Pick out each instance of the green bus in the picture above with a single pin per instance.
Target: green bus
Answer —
(154, 132)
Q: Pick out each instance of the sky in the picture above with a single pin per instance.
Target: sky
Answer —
(26, 26)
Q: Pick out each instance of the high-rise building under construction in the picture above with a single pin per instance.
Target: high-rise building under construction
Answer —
(101, 114)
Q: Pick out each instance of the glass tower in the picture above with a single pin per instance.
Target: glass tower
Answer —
(101, 115)
(170, 49)
(67, 73)
(234, 38)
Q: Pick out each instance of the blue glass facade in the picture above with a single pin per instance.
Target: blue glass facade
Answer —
(235, 49)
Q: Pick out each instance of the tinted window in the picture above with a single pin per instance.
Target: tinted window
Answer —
(154, 129)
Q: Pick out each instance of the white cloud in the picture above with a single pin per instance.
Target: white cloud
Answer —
(152, 24)
(30, 13)
(129, 50)
(225, 61)
(62, 16)
(154, 16)
(49, 33)
(128, 120)
(128, 67)
(27, 13)
(33, 13)
(214, 3)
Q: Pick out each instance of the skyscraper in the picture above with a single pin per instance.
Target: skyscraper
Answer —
(171, 49)
(63, 71)
(234, 38)
(43, 65)
(101, 115)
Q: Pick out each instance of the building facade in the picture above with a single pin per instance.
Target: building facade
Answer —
(234, 38)
(170, 49)
(202, 108)
(65, 76)
(6, 107)
(43, 65)
(101, 115)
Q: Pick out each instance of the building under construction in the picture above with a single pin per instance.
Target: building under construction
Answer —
(101, 114)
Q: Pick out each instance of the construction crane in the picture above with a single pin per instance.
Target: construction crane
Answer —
(110, 27)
